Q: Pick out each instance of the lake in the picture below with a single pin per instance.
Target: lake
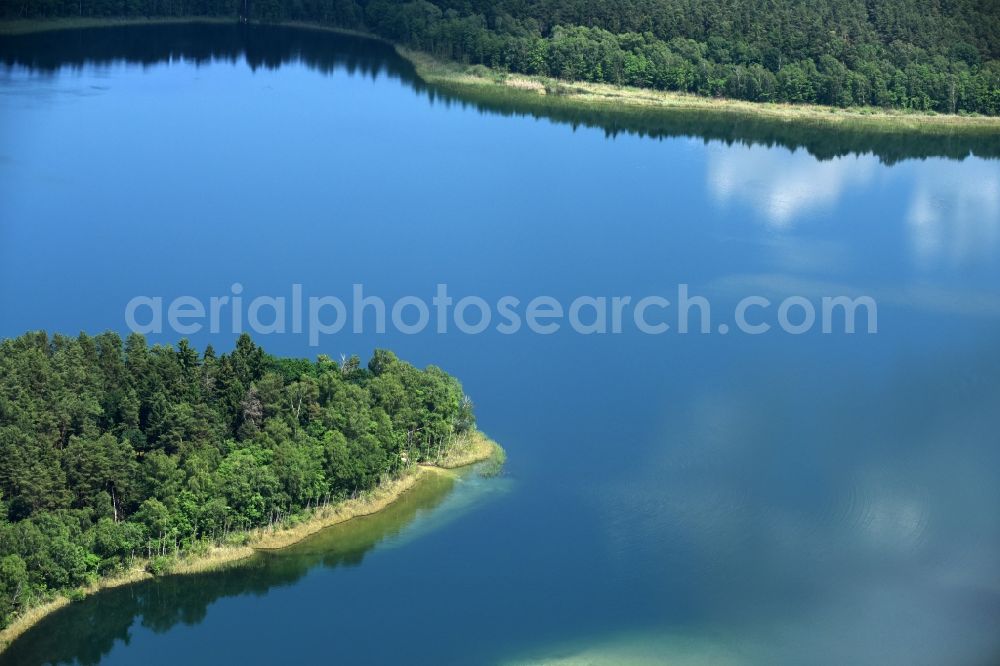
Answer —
(699, 498)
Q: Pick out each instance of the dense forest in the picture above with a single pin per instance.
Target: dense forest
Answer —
(934, 55)
(113, 452)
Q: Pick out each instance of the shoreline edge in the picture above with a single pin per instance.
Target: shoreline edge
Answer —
(469, 450)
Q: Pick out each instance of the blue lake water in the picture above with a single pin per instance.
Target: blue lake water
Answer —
(685, 499)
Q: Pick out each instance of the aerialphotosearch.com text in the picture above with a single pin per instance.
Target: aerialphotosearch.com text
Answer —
(657, 314)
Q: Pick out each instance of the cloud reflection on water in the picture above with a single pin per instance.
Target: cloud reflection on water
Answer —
(780, 185)
(951, 217)
(839, 521)
(954, 212)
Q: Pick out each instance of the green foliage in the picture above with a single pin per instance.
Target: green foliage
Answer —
(15, 586)
(159, 565)
(113, 452)
(938, 56)
(883, 53)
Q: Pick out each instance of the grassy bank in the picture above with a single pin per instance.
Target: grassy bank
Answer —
(28, 619)
(467, 449)
(477, 80)
(473, 80)
(27, 26)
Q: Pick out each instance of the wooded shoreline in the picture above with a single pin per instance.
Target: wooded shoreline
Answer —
(477, 448)
(457, 78)
(460, 79)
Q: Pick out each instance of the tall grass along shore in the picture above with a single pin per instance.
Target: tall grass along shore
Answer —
(467, 449)
(460, 79)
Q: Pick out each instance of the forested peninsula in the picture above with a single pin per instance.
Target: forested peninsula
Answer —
(927, 57)
(119, 460)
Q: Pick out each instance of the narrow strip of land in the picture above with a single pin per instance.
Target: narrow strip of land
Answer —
(602, 96)
(458, 79)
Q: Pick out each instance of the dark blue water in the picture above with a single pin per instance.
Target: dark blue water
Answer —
(692, 499)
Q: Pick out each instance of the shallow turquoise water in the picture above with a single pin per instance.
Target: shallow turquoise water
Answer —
(768, 499)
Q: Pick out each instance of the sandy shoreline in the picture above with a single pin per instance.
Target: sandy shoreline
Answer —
(472, 449)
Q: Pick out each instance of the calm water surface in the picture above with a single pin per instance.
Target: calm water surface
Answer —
(683, 499)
